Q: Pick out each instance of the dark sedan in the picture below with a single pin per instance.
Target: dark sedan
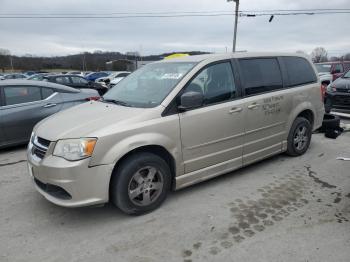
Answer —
(338, 94)
(23, 103)
(76, 82)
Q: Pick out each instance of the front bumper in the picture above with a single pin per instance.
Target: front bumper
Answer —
(69, 183)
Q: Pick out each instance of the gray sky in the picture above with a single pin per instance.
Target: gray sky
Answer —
(154, 36)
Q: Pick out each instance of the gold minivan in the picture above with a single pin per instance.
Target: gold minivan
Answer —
(174, 123)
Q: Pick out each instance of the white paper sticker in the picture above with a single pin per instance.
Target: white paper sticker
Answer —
(172, 76)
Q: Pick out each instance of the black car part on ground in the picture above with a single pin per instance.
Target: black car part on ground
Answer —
(331, 126)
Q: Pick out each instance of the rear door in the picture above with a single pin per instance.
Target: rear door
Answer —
(265, 107)
(212, 134)
(24, 107)
(79, 82)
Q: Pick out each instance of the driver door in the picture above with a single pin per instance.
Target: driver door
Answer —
(212, 135)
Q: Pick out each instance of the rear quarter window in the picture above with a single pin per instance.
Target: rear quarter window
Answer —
(299, 71)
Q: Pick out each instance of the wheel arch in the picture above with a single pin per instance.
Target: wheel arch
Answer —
(309, 115)
(158, 150)
(305, 110)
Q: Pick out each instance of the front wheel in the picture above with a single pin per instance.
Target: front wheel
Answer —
(140, 183)
(299, 137)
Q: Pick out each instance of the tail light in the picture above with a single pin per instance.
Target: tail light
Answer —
(92, 98)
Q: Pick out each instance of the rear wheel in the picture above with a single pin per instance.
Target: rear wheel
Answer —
(140, 184)
(299, 137)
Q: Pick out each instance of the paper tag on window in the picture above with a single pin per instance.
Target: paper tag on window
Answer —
(172, 76)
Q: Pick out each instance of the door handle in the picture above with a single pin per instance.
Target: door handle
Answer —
(235, 110)
(49, 105)
(253, 106)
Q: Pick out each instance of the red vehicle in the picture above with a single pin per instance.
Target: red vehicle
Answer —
(336, 68)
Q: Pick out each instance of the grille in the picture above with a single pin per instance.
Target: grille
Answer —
(341, 100)
(40, 146)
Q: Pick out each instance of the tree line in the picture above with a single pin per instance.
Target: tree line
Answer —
(95, 61)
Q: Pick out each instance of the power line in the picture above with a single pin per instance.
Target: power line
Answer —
(176, 12)
(167, 16)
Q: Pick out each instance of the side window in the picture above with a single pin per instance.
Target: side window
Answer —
(299, 71)
(79, 80)
(46, 92)
(338, 68)
(64, 80)
(260, 75)
(18, 95)
(215, 82)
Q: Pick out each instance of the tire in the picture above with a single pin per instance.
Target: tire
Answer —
(330, 121)
(140, 183)
(294, 148)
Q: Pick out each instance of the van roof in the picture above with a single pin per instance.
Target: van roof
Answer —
(200, 58)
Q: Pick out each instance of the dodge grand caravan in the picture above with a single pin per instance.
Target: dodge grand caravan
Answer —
(174, 123)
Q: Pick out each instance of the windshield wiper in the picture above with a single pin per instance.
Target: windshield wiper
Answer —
(117, 102)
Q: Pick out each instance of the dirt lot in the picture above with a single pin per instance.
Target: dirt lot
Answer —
(282, 209)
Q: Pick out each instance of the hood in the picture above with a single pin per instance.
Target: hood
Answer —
(343, 83)
(87, 119)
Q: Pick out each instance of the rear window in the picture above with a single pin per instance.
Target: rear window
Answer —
(261, 75)
(299, 71)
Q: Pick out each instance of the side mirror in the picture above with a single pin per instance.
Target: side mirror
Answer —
(190, 100)
(336, 71)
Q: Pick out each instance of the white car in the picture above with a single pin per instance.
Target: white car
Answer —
(114, 77)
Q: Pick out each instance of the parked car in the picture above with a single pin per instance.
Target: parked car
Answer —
(174, 123)
(38, 77)
(79, 73)
(114, 76)
(29, 73)
(13, 76)
(338, 94)
(23, 103)
(336, 68)
(76, 82)
(94, 75)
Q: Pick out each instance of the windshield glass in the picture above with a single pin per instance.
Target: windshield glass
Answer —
(149, 85)
(323, 68)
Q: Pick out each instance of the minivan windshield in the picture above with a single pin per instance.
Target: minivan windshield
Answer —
(149, 85)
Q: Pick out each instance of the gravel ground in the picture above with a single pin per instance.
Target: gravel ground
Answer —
(281, 209)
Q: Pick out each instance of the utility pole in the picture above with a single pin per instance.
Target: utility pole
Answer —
(236, 22)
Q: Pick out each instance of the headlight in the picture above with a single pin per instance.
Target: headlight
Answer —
(31, 137)
(75, 149)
